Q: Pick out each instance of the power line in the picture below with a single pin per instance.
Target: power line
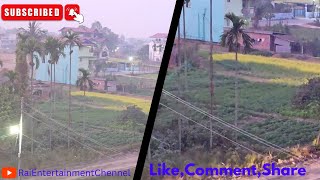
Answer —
(63, 133)
(209, 129)
(269, 144)
(86, 137)
(83, 136)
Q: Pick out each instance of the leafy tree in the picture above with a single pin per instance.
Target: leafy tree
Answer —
(106, 33)
(263, 8)
(21, 65)
(96, 25)
(84, 81)
(143, 53)
(9, 107)
(12, 76)
(231, 39)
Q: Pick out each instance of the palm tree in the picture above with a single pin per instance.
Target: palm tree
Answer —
(11, 75)
(33, 35)
(31, 46)
(71, 39)
(84, 81)
(33, 30)
(54, 48)
(231, 39)
(21, 65)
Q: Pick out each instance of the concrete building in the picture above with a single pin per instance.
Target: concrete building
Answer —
(43, 73)
(197, 19)
(156, 46)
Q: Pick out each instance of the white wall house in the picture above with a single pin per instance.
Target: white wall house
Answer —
(156, 46)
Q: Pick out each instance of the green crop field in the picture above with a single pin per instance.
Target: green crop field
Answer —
(266, 86)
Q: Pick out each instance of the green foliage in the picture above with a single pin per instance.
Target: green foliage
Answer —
(286, 132)
(307, 96)
(261, 53)
(133, 113)
(143, 53)
(9, 107)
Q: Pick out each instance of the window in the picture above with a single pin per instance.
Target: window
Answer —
(228, 0)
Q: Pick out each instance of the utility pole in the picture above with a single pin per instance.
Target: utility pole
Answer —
(20, 137)
(179, 46)
(180, 134)
(184, 49)
(204, 25)
(149, 151)
(211, 75)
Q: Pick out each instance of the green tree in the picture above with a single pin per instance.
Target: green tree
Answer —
(11, 75)
(143, 53)
(1, 64)
(31, 46)
(231, 39)
(263, 8)
(21, 66)
(84, 82)
(72, 40)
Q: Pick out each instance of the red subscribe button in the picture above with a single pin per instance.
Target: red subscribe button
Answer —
(31, 12)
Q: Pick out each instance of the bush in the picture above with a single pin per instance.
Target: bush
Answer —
(261, 53)
(308, 94)
(286, 55)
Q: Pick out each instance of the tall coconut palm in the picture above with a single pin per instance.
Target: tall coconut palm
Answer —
(55, 49)
(231, 39)
(71, 39)
(11, 75)
(21, 65)
(33, 35)
(31, 47)
(27, 46)
(33, 30)
(84, 82)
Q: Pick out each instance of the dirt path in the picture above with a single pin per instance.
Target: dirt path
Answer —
(122, 162)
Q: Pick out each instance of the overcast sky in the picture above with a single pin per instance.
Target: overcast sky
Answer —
(132, 18)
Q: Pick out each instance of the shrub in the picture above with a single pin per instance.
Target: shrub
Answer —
(308, 94)
(261, 53)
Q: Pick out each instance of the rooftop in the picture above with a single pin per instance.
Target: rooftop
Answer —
(159, 35)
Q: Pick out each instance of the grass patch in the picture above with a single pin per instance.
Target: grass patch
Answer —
(139, 102)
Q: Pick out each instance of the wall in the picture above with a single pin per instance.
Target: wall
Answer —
(62, 68)
(198, 29)
(283, 47)
(85, 56)
(265, 44)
